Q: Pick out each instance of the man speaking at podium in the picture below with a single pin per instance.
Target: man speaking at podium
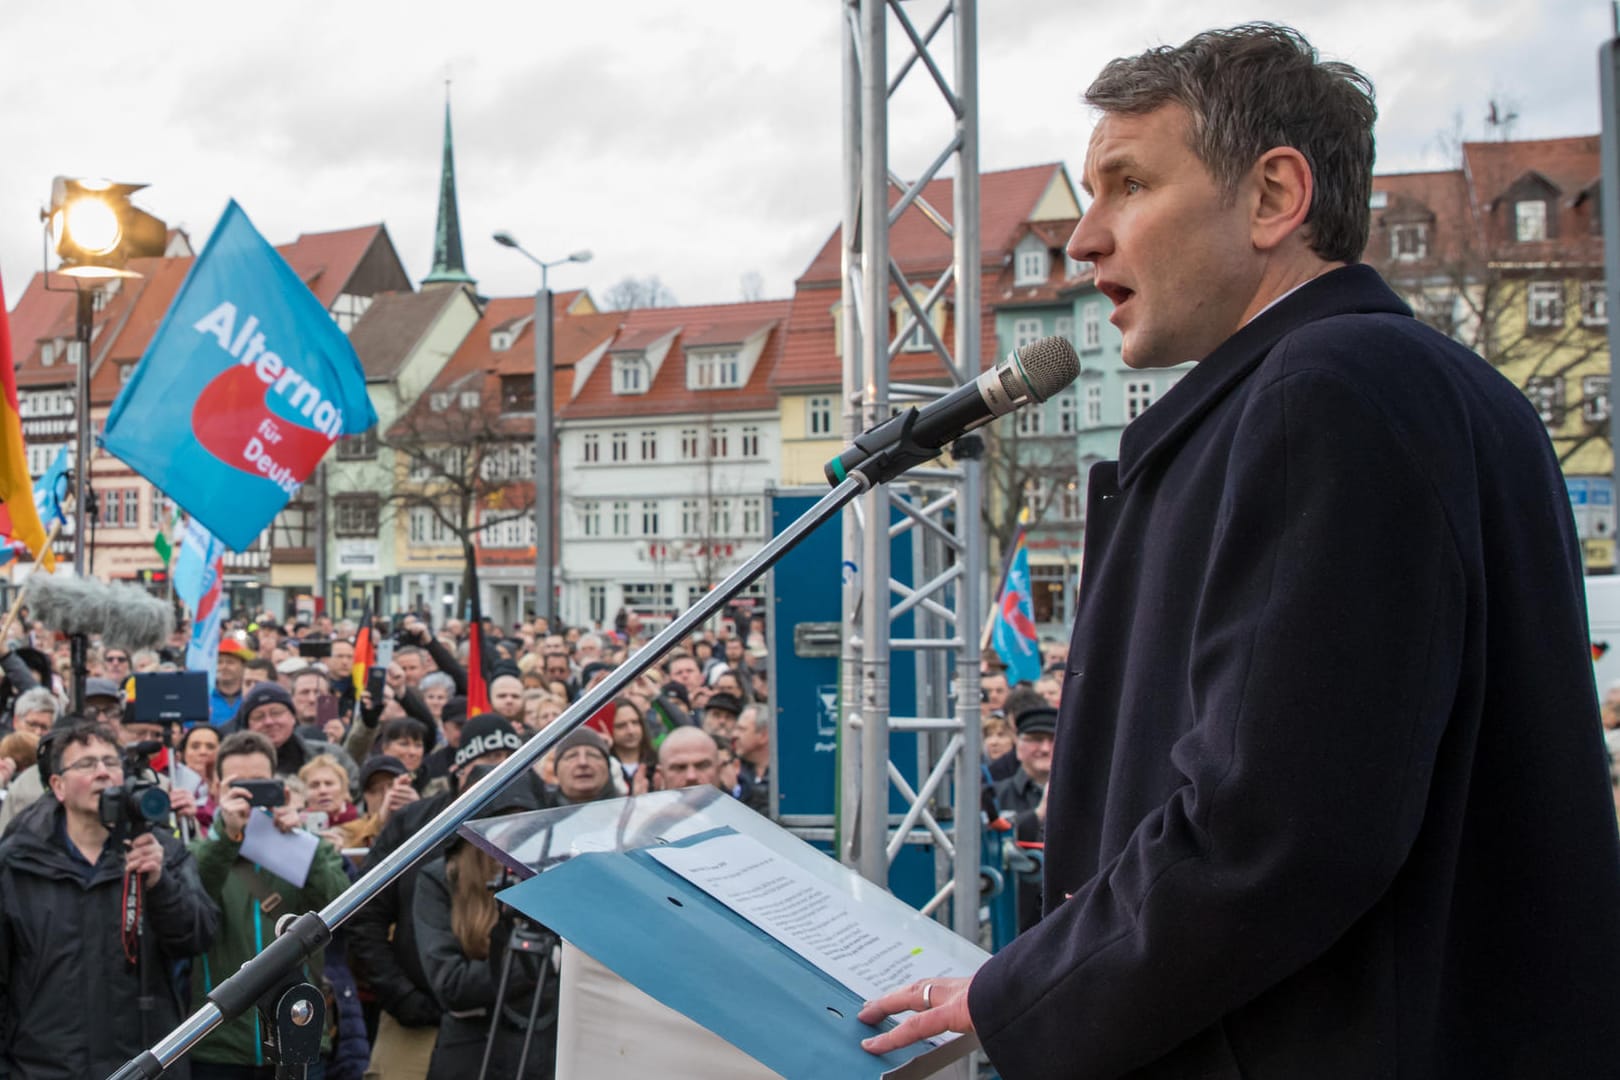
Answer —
(1328, 795)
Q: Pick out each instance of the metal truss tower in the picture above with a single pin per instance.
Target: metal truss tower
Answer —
(936, 510)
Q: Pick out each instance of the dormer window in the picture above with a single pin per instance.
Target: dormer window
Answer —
(469, 399)
(124, 372)
(1032, 262)
(1408, 243)
(713, 369)
(439, 401)
(1073, 268)
(517, 394)
(630, 375)
(500, 340)
(47, 353)
(1379, 200)
(1529, 220)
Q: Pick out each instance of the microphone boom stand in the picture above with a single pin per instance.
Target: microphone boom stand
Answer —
(298, 936)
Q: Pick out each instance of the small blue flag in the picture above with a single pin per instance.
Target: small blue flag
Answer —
(246, 385)
(51, 489)
(1013, 634)
(199, 580)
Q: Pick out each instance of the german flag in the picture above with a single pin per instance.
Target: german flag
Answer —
(19, 517)
(365, 654)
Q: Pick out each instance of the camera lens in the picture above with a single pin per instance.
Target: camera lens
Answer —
(151, 802)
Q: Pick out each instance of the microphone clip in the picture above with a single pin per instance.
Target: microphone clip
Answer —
(882, 453)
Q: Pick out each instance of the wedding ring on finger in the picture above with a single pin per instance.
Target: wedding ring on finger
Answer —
(928, 990)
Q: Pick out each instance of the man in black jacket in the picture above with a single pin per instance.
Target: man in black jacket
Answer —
(382, 934)
(70, 999)
(1328, 795)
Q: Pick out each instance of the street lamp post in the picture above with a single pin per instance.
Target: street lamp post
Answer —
(95, 230)
(544, 437)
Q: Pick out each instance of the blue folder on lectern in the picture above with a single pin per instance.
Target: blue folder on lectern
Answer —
(731, 921)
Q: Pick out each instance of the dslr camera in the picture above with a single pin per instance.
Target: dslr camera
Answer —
(133, 808)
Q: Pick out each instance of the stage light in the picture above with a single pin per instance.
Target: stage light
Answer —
(95, 229)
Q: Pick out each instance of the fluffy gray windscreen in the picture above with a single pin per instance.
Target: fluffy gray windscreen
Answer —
(122, 615)
(1048, 365)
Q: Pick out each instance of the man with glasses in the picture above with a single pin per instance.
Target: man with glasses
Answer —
(36, 713)
(71, 1004)
(103, 701)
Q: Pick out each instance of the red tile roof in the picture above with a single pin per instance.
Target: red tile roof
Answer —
(705, 324)
(1572, 165)
(1006, 201)
(1438, 199)
(476, 364)
(326, 261)
(38, 314)
(149, 303)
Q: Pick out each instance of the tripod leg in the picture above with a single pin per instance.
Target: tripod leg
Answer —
(534, 1011)
(495, 1012)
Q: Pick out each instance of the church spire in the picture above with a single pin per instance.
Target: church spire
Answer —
(448, 264)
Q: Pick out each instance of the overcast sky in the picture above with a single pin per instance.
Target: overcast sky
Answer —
(697, 141)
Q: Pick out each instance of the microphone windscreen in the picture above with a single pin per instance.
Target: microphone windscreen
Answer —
(122, 615)
(1048, 365)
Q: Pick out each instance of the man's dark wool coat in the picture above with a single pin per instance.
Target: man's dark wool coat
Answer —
(1329, 796)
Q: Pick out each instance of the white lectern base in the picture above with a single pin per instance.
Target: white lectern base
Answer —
(608, 1030)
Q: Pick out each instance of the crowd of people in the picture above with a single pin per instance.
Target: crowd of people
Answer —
(117, 920)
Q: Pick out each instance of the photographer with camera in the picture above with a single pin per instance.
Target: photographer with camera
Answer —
(97, 903)
(250, 898)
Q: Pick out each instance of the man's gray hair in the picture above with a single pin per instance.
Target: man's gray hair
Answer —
(1254, 88)
(38, 699)
(437, 680)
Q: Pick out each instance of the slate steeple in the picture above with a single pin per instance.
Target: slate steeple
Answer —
(448, 263)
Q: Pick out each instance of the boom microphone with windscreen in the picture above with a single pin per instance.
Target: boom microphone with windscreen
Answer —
(122, 614)
(1032, 373)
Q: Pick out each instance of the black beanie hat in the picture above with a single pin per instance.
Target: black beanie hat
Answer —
(485, 734)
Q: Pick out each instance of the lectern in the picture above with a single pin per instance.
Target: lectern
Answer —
(736, 925)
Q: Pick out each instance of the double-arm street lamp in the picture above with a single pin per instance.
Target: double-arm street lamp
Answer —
(545, 597)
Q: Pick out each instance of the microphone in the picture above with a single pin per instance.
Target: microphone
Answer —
(122, 614)
(1032, 373)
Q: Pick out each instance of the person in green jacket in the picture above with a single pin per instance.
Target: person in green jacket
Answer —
(251, 900)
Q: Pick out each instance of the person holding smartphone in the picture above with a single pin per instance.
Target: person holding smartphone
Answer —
(250, 898)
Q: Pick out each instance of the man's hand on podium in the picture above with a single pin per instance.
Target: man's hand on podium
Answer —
(940, 1005)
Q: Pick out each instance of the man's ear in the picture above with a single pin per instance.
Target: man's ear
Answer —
(1283, 186)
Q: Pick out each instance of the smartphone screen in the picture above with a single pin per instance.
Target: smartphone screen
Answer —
(376, 680)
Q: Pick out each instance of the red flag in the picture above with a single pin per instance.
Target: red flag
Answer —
(602, 721)
(16, 489)
(477, 662)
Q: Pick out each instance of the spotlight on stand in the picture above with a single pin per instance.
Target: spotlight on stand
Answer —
(95, 229)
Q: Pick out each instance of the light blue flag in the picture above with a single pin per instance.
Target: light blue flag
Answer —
(200, 550)
(1013, 634)
(51, 489)
(246, 385)
(199, 578)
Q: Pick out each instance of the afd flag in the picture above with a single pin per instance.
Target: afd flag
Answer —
(1014, 634)
(246, 385)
